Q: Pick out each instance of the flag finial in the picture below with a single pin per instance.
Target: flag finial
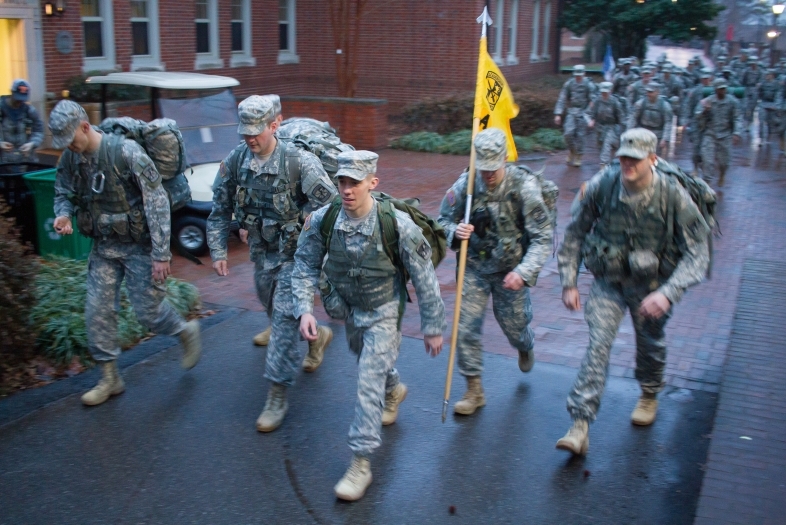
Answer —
(484, 19)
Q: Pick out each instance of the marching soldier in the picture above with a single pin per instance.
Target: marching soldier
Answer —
(574, 99)
(366, 289)
(638, 89)
(770, 93)
(751, 78)
(510, 234)
(653, 113)
(688, 118)
(621, 232)
(608, 115)
(269, 185)
(720, 120)
(623, 79)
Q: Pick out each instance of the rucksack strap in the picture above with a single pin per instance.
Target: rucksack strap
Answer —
(329, 221)
(290, 157)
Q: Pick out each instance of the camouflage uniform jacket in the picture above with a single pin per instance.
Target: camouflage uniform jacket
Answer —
(241, 174)
(19, 126)
(415, 255)
(607, 112)
(750, 78)
(690, 230)
(636, 91)
(75, 173)
(575, 97)
(688, 111)
(654, 116)
(516, 191)
(622, 82)
(722, 119)
(770, 93)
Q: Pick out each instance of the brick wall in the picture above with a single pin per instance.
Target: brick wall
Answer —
(360, 122)
(409, 49)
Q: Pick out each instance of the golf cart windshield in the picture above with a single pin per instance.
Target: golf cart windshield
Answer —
(208, 125)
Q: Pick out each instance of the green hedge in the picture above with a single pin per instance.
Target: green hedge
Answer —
(459, 143)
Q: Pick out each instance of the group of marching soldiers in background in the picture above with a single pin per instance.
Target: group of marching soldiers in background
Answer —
(658, 96)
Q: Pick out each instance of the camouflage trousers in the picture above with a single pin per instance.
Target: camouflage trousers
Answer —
(750, 104)
(695, 140)
(512, 309)
(604, 312)
(575, 130)
(104, 276)
(769, 123)
(274, 288)
(377, 348)
(715, 156)
(608, 139)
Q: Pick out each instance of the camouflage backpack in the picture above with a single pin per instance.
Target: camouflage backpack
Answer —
(315, 137)
(163, 143)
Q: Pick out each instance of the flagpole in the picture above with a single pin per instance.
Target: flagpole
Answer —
(484, 20)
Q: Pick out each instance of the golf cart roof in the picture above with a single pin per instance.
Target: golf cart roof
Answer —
(166, 80)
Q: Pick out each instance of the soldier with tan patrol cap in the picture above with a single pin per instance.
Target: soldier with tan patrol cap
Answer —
(645, 241)
(574, 99)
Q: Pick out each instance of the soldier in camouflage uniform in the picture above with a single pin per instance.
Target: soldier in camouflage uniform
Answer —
(122, 205)
(720, 120)
(608, 115)
(510, 234)
(365, 288)
(770, 94)
(574, 99)
(653, 113)
(638, 90)
(621, 232)
(21, 129)
(750, 80)
(688, 117)
(623, 79)
(270, 186)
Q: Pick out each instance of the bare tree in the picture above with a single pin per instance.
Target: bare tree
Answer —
(345, 16)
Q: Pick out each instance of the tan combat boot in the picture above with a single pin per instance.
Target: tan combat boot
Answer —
(645, 411)
(392, 401)
(577, 438)
(275, 408)
(263, 337)
(316, 349)
(110, 384)
(355, 481)
(577, 160)
(473, 397)
(570, 158)
(192, 344)
(526, 360)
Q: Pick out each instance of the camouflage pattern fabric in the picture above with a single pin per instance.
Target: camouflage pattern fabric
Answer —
(574, 99)
(715, 155)
(688, 118)
(19, 126)
(512, 310)
(608, 301)
(770, 93)
(719, 121)
(654, 116)
(604, 312)
(372, 335)
(750, 80)
(106, 271)
(609, 118)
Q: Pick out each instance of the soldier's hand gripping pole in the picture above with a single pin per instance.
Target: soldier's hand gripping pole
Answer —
(462, 266)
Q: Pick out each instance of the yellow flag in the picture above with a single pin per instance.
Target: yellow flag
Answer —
(494, 105)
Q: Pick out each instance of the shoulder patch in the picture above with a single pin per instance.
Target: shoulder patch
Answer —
(151, 174)
(539, 215)
(223, 172)
(451, 197)
(307, 224)
(320, 192)
(582, 191)
(424, 250)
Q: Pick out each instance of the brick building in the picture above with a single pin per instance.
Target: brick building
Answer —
(409, 49)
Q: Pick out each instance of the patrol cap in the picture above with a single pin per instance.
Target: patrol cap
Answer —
(637, 143)
(63, 122)
(356, 164)
(706, 73)
(754, 59)
(720, 83)
(276, 101)
(667, 68)
(646, 69)
(653, 86)
(579, 70)
(772, 71)
(20, 90)
(491, 149)
(605, 87)
(255, 113)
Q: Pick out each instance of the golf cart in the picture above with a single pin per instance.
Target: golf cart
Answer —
(208, 124)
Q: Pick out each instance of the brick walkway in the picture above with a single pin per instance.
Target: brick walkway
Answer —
(753, 223)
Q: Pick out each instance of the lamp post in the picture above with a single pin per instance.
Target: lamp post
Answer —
(777, 10)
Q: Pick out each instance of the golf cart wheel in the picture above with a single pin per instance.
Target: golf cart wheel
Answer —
(190, 235)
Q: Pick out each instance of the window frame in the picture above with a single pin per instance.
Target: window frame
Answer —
(533, 55)
(107, 62)
(151, 61)
(290, 56)
(210, 59)
(243, 58)
(513, 27)
(546, 56)
(499, 32)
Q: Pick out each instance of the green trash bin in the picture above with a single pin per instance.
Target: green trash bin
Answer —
(74, 246)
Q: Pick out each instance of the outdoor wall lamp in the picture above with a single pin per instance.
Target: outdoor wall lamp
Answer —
(777, 9)
(56, 7)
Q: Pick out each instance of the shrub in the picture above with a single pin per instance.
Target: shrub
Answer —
(17, 280)
(459, 143)
(58, 317)
(81, 91)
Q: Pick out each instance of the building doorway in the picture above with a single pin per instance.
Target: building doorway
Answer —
(13, 53)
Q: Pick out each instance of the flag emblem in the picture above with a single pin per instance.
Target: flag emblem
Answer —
(494, 86)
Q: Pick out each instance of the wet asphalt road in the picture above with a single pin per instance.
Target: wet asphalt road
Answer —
(181, 447)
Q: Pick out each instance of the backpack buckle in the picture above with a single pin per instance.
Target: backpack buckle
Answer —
(98, 183)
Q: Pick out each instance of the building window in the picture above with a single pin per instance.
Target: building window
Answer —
(534, 57)
(207, 35)
(144, 35)
(546, 28)
(498, 25)
(513, 29)
(97, 31)
(241, 34)
(287, 52)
